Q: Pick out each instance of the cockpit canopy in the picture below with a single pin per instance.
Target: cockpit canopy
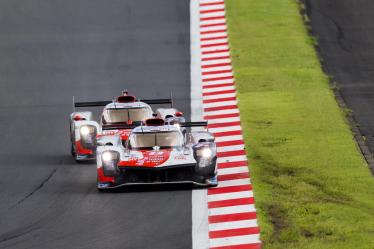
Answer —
(124, 115)
(148, 140)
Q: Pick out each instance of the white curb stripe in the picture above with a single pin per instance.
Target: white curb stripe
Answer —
(223, 120)
(219, 106)
(229, 138)
(232, 159)
(230, 111)
(234, 170)
(237, 240)
(232, 225)
(234, 182)
(230, 148)
(229, 196)
(232, 210)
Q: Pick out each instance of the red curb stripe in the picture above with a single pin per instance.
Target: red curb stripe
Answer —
(234, 232)
(230, 115)
(220, 108)
(211, 11)
(212, 25)
(232, 217)
(230, 177)
(215, 45)
(227, 133)
(223, 124)
(229, 189)
(216, 58)
(218, 85)
(218, 78)
(230, 143)
(216, 51)
(213, 38)
(232, 164)
(241, 246)
(212, 18)
(219, 92)
(213, 31)
(217, 72)
(231, 153)
(219, 100)
(217, 65)
(231, 202)
(212, 3)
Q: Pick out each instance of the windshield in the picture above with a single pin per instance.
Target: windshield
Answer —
(124, 115)
(161, 139)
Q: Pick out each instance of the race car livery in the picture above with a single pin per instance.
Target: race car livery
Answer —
(118, 117)
(158, 153)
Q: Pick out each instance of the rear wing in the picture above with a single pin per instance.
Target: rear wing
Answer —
(104, 103)
(119, 127)
(194, 124)
(132, 126)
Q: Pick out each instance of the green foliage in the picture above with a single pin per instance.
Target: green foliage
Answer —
(312, 186)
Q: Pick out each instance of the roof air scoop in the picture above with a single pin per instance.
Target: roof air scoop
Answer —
(154, 122)
(126, 99)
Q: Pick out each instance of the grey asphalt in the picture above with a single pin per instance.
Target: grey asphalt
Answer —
(345, 32)
(93, 49)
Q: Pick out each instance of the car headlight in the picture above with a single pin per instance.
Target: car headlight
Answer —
(85, 130)
(204, 153)
(110, 160)
(108, 156)
(177, 125)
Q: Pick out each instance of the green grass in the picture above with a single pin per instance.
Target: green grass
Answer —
(312, 186)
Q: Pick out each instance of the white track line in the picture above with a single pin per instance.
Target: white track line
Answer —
(200, 226)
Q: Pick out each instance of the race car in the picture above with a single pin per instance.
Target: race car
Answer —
(118, 117)
(158, 153)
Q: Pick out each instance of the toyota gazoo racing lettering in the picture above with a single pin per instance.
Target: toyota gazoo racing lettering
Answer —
(159, 154)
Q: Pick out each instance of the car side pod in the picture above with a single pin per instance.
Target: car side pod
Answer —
(83, 136)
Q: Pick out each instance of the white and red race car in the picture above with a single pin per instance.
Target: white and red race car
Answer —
(157, 153)
(118, 117)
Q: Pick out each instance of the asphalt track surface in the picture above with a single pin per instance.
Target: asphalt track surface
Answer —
(345, 31)
(93, 49)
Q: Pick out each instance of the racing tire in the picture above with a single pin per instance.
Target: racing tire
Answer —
(72, 150)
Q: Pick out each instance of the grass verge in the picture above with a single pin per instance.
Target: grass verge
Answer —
(312, 186)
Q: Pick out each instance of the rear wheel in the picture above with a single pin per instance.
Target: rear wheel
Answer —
(72, 150)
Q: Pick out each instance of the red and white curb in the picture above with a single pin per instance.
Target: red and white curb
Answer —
(231, 214)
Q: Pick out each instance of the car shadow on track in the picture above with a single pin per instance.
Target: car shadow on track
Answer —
(151, 188)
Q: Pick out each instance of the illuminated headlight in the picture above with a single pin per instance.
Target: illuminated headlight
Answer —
(110, 160)
(108, 156)
(205, 153)
(85, 130)
(177, 125)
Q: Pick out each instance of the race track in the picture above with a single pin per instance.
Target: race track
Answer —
(50, 51)
(345, 32)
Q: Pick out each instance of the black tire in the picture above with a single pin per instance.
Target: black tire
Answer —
(72, 150)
